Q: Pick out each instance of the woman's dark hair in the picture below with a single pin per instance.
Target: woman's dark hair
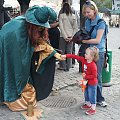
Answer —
(65, 1)
(66, 9)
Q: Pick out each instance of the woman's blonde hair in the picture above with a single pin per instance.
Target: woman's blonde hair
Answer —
(91, 5)
(94, 52)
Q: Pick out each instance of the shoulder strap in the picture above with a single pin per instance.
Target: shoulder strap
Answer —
(92, 29)
(100, 20)
(95, 25)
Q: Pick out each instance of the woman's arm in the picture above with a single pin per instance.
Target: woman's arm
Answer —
(97, 39)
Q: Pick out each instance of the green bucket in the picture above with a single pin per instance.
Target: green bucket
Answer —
(106, 72)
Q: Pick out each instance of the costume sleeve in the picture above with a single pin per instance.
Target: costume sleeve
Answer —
(44, 47)
(40, 48)
(58, 56)
(93, 73)
(79, 58)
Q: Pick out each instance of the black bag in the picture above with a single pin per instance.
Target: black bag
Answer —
(84, 46)
(81, 35)
(82, 49)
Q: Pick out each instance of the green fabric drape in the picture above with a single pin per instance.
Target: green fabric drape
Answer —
(15, 59)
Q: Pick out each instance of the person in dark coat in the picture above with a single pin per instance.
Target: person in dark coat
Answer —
(19, 86)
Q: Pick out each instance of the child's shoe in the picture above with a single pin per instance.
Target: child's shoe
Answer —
(85, 107)
(90, 112)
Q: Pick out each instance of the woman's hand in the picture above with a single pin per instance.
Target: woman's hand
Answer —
(69, 39)
(82, 41)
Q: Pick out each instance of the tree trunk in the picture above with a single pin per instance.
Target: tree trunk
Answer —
(24, 5)
(82, 18)
(1, 13)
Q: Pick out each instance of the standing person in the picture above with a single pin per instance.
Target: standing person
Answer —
(18, 38)
(90, 75)
(68, 27)
(78, 18)
(106, 19)
(90, 11)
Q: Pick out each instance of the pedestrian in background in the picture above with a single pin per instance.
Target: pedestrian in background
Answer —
(90, 11)
(74, 12)
(68, 27)
(106, 19)
(89, 74)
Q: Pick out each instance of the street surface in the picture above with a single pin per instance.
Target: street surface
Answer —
(65, 83)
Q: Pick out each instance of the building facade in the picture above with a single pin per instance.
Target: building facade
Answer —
(116, 5)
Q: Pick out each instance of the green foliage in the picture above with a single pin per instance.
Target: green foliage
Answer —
(103, 3)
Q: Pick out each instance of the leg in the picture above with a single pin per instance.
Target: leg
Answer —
(87, 104)
(28, 95)
(92, 93)
(99, 87)
(62, 46)
(100, 98)
(92, 90)
(69, 47)
(86, 95)
(73, 52)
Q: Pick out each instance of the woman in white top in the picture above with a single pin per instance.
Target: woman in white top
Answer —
(68, 27)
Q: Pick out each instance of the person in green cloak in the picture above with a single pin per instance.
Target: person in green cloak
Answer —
(20, 83)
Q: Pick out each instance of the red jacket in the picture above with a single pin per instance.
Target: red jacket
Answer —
(90, 69)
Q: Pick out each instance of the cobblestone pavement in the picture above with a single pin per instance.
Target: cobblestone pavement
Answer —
(65, 82)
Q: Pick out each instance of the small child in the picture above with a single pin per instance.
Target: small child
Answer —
(90, 74)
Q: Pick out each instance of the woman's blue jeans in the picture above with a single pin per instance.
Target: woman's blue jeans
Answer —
(100, 63)
(91, 93)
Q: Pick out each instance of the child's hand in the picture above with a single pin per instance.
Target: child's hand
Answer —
(83, 75)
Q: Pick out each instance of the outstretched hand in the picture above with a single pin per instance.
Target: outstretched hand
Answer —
(63, 57)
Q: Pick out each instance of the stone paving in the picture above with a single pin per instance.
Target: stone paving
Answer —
(65, 82)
